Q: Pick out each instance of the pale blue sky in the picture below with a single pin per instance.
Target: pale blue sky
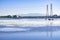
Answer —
(11, 7)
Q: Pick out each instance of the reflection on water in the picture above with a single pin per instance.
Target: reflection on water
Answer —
(29, 29)
(30, 36)
(30, 22)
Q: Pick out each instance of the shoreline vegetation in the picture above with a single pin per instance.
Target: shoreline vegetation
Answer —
(15, 16)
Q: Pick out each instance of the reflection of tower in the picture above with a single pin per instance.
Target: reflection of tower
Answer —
(51, 11)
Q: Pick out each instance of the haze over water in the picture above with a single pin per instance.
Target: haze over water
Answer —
(29, 29)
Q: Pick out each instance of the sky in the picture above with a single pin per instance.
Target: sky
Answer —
(18, 7)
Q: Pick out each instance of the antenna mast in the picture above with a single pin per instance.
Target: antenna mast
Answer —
(51, 11)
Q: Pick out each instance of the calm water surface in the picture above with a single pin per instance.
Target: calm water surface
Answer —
(16, 33)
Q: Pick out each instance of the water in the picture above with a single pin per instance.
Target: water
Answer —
(29, 22)
(29, 29)
(29, 36)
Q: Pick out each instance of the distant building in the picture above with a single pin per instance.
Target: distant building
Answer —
(55, 15)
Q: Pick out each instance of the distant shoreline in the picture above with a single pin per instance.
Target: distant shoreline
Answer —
(54, 16)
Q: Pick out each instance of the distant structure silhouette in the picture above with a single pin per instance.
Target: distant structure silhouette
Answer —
(47, 13)
(51, 11)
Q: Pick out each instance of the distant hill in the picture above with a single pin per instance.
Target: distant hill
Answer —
(32, 14)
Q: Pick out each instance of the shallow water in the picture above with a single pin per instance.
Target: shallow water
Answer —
(29, 22)
(29, 29)
(30, 36)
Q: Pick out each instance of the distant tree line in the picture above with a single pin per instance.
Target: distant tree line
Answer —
(9, 16)
(15, 16)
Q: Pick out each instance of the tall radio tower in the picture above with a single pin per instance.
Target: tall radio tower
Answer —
(51, 11)
(47, 10)
(47, 13)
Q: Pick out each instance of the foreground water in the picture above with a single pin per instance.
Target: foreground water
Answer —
(30, 36)
(29, 29)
